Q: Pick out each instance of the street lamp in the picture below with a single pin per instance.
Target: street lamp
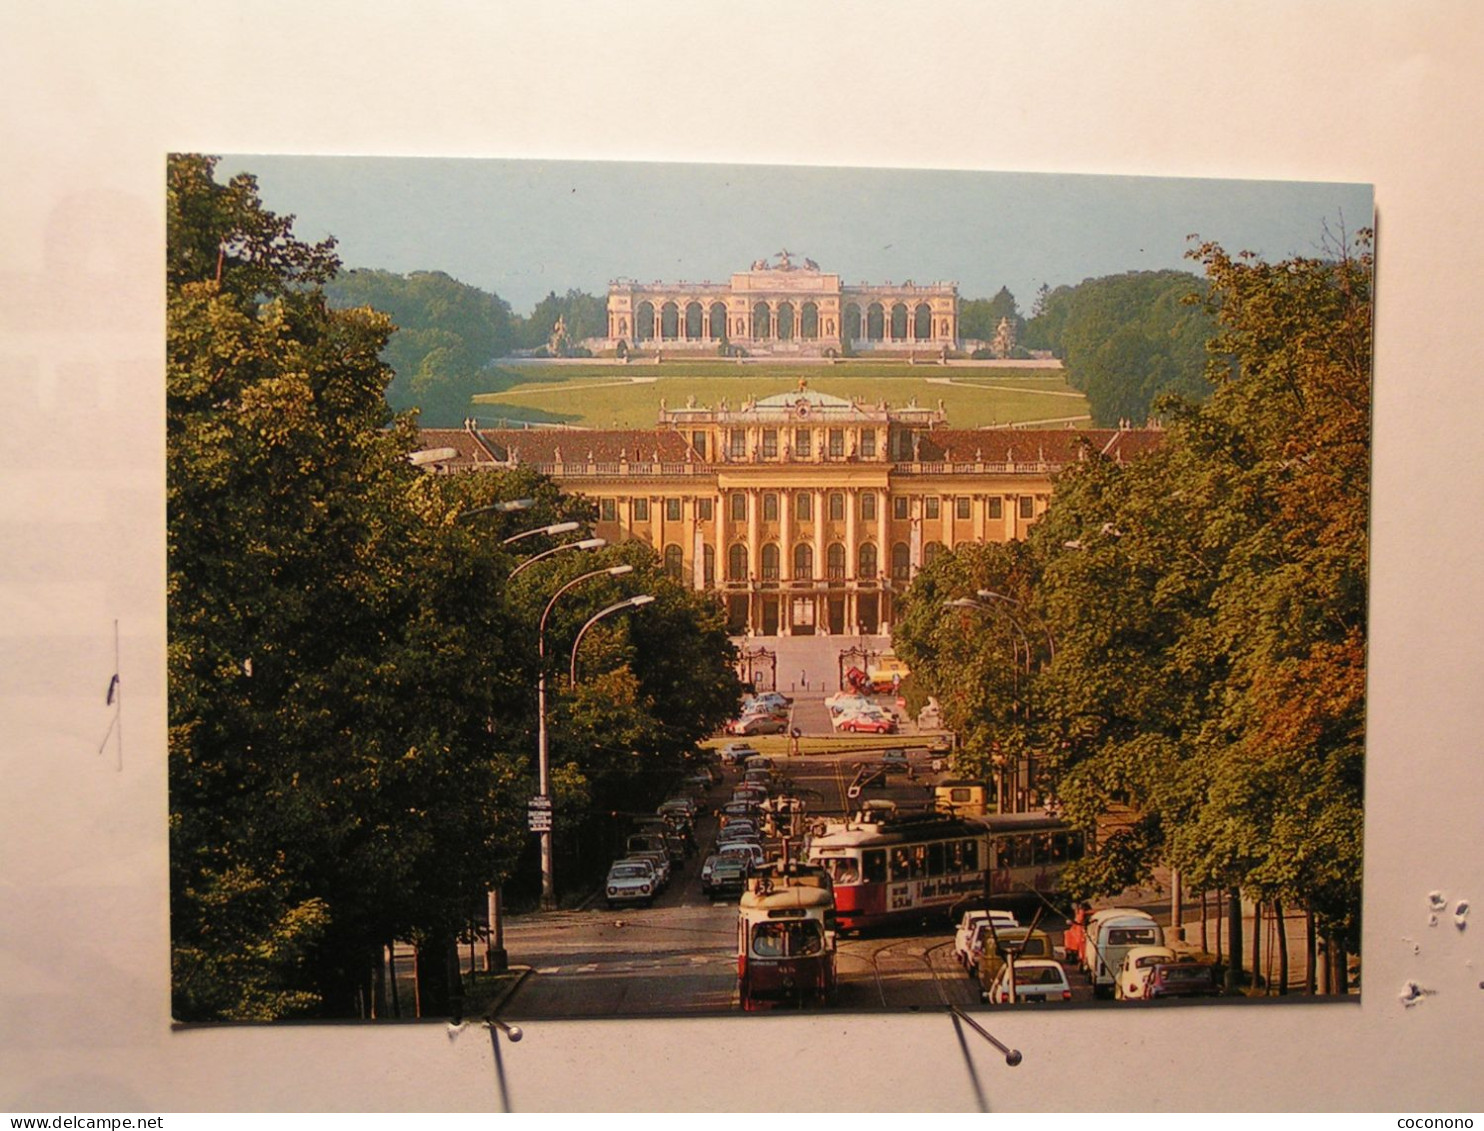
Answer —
(501, 508)
(543, 763)
(554, 528)
(631, 603)
(585, 544)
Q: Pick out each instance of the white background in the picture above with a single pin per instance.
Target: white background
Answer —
(95, 95)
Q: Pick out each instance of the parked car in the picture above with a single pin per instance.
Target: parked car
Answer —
(1181, 979)
(759, 724)
(739, 828)
(1036, 979)
(630, 881)
(964, 934)
(1108, 936)
(751, 851)
(737, 753)
(986, 959)
(728, 877)
(735, 809)
(661, 862)
(866, 724)
(671, 846)
(1137, 965)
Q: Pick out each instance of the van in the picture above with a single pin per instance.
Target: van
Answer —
(991, 948)
(1110, 934)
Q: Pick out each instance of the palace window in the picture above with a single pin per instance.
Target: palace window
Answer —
(770, 443)
(899, 507)
(641, 510)
(930, 507)
(837, 443)
(737, 443)
(607, 510)
(803, 562)
(996, 506)
(739, 507)
(837, 507)
(931, 551)
(804, 507)
(770, 562)
(704, 510)
(868, 443)
(835, 562)
(961, 507)
(1027, 506)
(708, 559)
(672, 510)
(868, 507)
(737, 563)
(901, 562)
(867, 561)
(698, 441)
(674, 561)
(803, 443)
(770, 507)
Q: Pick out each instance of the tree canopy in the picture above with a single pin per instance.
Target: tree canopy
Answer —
(1127, 339)
(352, 715)
(1202, 677)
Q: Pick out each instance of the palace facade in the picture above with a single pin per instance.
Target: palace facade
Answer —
(803, 513)
(783, 307)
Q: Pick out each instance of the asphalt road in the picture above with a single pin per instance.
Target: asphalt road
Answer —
(678, 956)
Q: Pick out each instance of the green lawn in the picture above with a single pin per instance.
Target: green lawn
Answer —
(607, 396)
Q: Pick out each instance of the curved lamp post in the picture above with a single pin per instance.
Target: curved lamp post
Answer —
(631, 603)
(585, 544)
(543, 763)
(501, 508)
(554, 528)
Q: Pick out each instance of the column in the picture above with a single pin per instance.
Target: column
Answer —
(851, 549)
(819, 513)
(722, 518)
(914, 541)
(754, 554)
(693, 544)
(981, 507)
(883, 535)
(785, 562)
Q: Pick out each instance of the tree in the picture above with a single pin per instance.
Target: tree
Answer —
(1126, 340)
(979, 318)
(334, 778)
(446, 336)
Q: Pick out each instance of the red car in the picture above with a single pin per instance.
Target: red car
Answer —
(865, 724)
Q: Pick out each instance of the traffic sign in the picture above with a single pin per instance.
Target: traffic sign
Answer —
(540, 820)
(540, 801)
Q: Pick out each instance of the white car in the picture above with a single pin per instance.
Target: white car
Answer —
(749, 850)
(963, 937)
(630, 881)
(1138, 964)
(1036, 979)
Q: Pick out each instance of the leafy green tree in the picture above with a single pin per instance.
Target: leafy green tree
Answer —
(446, 335)
(335, 779)
(584, 315)
(980, 318)
(1126, 340)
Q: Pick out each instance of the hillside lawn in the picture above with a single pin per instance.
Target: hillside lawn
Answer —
(608, 396)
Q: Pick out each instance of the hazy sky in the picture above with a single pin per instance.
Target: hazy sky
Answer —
(523, 228)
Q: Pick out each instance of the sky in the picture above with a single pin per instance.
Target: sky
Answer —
(524, 228)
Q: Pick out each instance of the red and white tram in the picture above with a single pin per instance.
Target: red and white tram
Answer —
(786, 943)
(889, 867)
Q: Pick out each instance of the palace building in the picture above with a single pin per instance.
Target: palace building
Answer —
(782, 307)
(803, 513)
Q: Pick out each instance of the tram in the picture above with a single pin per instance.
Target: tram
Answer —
(786, 942)
(889, 867)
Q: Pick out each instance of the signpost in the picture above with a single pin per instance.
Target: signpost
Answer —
(538, 814)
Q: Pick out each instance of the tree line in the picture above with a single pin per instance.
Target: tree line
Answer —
(1125, 339)
(1176, 653)
(352, 666)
